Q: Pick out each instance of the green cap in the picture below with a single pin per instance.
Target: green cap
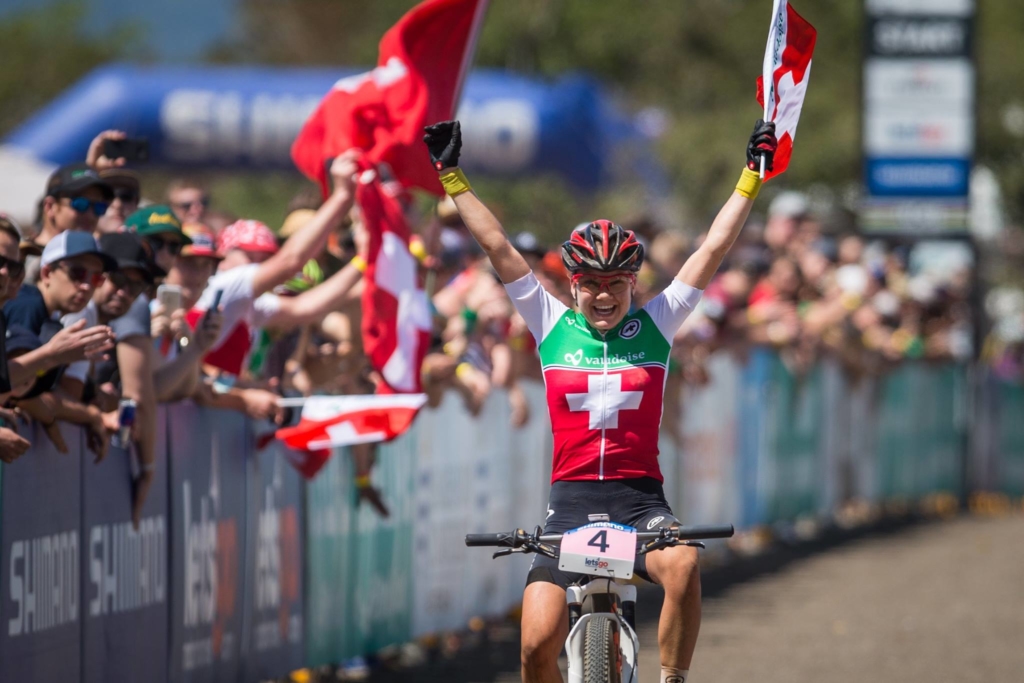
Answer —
(155, 220)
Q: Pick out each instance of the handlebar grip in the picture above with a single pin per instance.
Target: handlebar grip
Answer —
(474, 540)
(698, 532)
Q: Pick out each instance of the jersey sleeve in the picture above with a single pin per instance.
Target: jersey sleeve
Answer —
(669, 309)
(538, 307)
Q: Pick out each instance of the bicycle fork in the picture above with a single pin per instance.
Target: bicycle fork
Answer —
(601, 592)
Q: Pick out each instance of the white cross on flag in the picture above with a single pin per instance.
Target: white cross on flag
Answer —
(782, 86)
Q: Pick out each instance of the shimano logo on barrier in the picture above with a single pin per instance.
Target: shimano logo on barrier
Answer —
(596, 563)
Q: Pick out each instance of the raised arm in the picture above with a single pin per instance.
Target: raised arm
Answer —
(445, 142)
(703, 263)
(313, 305)
(312, 238)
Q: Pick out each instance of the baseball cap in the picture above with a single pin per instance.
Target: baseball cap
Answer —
(11, 227)
(156, 220)
(74, 178)
(131, 251)
(247, 235)
(71, 243)
(527, 243)
(122, 178)
(295, 221)
(789, 205)
(204, 242)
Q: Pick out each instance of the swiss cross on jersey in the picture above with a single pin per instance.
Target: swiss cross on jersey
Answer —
(605, 397)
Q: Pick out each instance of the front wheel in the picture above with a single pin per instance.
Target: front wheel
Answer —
(601, 660)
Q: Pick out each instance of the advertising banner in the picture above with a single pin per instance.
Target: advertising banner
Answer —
(273, 576)
(208, 475)
(40, 562)
(125, 587)
(329, 511)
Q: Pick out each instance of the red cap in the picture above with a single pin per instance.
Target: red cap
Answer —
(247, 235)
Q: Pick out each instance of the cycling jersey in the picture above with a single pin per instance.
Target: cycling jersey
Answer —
(604, 391)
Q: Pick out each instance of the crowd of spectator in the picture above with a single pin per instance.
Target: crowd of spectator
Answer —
(112, 298)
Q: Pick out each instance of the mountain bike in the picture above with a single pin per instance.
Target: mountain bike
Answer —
(601, 609)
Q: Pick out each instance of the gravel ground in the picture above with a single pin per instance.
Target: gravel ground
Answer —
(927, 603)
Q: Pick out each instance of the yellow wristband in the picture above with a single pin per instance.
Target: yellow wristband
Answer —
(363, 481)
(462, 369)
(417, 249)
(455, 182)
(359, 263)
(749, 184)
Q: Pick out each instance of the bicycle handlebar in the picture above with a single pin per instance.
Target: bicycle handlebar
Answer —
(515, 539)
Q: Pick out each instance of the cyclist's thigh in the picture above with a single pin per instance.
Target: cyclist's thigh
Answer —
(545, 623)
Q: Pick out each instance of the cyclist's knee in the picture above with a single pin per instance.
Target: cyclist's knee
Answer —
(676, 569)
(544, 625)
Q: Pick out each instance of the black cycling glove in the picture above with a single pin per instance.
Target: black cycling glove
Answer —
(762, 143)
(444, 140)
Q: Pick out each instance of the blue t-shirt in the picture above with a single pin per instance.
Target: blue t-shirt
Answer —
(28, 310)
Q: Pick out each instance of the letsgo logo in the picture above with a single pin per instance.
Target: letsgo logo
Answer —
(211, 574)
(596, 563)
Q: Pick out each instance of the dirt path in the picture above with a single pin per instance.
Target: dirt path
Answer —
(931, 603)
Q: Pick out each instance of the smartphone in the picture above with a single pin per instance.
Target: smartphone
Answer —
(216, 300)
(129, 149)
(169, 297)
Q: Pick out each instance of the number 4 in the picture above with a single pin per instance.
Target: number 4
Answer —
(600, 541)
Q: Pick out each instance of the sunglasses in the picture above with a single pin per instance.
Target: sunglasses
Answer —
(130, 287)
(594, 284)
(81, 275)
(15, 269)
(81, 205)
(185, 206)
(158, 243)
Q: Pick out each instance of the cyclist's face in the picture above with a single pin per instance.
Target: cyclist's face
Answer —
(603, 298)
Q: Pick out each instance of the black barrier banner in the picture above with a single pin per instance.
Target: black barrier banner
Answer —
(124, 571)
(207, 472)
(919, 36)
(40, 605)
(274, 553)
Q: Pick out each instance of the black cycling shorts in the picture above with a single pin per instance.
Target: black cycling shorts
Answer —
(637, 503)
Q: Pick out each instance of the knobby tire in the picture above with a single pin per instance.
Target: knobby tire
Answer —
(601, 652)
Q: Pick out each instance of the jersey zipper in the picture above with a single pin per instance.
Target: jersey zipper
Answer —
(604, 406)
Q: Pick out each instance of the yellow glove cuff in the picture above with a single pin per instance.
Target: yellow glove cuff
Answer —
(455, 182)
(749, 184)
(359, 263)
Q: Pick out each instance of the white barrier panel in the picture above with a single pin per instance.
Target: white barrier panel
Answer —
(474, 475)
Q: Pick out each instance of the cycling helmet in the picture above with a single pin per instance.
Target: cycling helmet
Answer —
(602, 246)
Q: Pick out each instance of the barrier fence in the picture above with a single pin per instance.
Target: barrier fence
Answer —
(240, 571)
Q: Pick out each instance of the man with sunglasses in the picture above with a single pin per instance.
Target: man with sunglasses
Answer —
(161, 230)
(188, 199)
(75, 199)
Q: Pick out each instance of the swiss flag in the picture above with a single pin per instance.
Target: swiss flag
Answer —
(396, 314)
(330, 422)
(422, 64)
(787, 68)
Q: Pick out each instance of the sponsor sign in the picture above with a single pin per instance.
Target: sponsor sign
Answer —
(273, 596)
(125, 586)
(919, 36)
(208, 477)
(918, 177)
(40, 562)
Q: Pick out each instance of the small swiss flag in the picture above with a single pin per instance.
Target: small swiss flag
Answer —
(787, 69)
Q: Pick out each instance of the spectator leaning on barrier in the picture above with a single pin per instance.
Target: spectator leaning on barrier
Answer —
(252, 266)
(182, 353)
(128, 372)
(12, 445)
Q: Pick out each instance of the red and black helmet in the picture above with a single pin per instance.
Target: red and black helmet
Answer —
(602, 246)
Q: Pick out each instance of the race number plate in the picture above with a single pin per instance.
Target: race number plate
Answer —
(601, 549)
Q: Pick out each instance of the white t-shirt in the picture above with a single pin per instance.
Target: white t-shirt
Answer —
(237, 303)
